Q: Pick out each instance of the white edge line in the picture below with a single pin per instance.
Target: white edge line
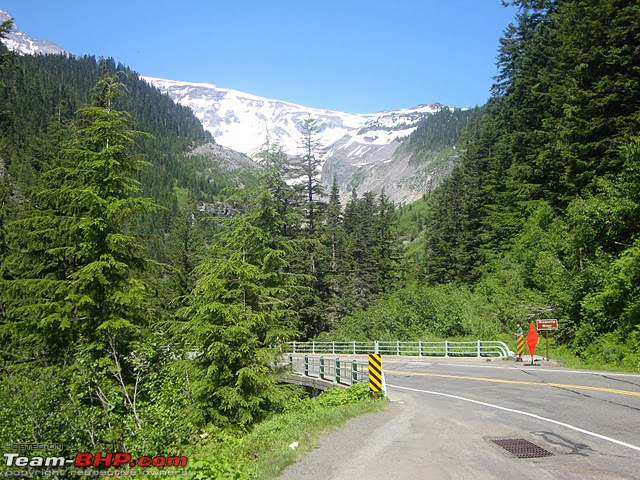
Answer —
(538, 417)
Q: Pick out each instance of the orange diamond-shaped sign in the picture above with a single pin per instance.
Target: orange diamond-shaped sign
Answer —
(532, 339)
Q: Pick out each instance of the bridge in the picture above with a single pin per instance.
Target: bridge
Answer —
(478, 348)
(311, 367)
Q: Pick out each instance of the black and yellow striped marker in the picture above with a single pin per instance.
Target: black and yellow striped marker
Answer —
(375, 373)
(520, 345)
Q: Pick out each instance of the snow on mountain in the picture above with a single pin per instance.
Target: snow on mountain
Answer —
(244, 122)
(22, 43)
(353, 143)
(360, 150)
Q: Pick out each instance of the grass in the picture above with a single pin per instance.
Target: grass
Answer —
(182, 194)
(303, 429)
(265, 451)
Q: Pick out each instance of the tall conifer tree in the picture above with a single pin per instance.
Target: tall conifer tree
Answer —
(72, 274)
(244, 304)
(308, 168)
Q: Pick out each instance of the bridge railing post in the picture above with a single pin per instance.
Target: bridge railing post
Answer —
(338, 370)
(376, 347)
(306, 365)
(446, 348)
(479, 349)
(354, 347)
(354, 371)
(322, 368)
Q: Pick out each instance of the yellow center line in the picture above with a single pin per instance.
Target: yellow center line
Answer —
(517, 382)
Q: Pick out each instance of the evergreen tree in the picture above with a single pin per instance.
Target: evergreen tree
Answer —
(545, 158)
(71, 276)
(73, 298)
(388, 248)
(308, 167)
(5, 28)
(370, 247)
(334, 232)
(186, 250)
(304, 172)
(277, 168)
(332, 273)
(243, 305)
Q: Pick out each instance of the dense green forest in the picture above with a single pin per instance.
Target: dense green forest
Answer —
(145, 291)
(547, 193)
(539, 217)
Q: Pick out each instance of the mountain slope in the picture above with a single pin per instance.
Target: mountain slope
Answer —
(360, 149)
(244, 122)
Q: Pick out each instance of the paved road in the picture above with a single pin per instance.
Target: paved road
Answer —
(445, 414)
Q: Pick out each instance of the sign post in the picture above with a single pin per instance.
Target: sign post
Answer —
(376, 379)
(546, 325)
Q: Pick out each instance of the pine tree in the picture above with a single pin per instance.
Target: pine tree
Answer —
(71, 276)
(371, 249)
(308, 167)
(388, 248)
(334, 232)
(5, 28)
(185, 253)
(242, 307)
(72, 291)
(277, 168)
(304, 172)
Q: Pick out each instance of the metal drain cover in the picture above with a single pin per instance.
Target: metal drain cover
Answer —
(521, 448)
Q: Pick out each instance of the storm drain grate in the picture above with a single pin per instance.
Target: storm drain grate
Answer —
(522, 448)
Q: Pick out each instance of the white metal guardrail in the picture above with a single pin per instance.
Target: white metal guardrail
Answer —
(478, 348)
(341, 371)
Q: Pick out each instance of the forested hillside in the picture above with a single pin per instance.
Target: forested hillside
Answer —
(145, 286)
(539, 218)
(549, 188)
(441, 129)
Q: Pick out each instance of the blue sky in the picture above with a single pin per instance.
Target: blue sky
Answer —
(347, 55)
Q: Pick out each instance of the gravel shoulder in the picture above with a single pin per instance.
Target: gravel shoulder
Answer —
(346, 452)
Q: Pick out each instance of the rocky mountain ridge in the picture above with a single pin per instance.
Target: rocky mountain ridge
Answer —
(360, 151)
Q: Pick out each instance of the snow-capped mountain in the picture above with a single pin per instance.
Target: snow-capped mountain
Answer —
(245, 122)
(361, 151)
(22, 43)
(359, 148)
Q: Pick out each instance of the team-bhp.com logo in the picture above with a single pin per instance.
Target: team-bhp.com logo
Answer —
(85, 459)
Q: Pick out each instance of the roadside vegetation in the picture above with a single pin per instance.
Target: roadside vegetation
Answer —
(265, 451)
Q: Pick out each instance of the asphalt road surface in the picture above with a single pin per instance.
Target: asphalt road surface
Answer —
(448, 418)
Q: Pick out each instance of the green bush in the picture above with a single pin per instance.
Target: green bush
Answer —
(339, 396)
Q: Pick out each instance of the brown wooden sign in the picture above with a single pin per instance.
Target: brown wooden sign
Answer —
(547, 324)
